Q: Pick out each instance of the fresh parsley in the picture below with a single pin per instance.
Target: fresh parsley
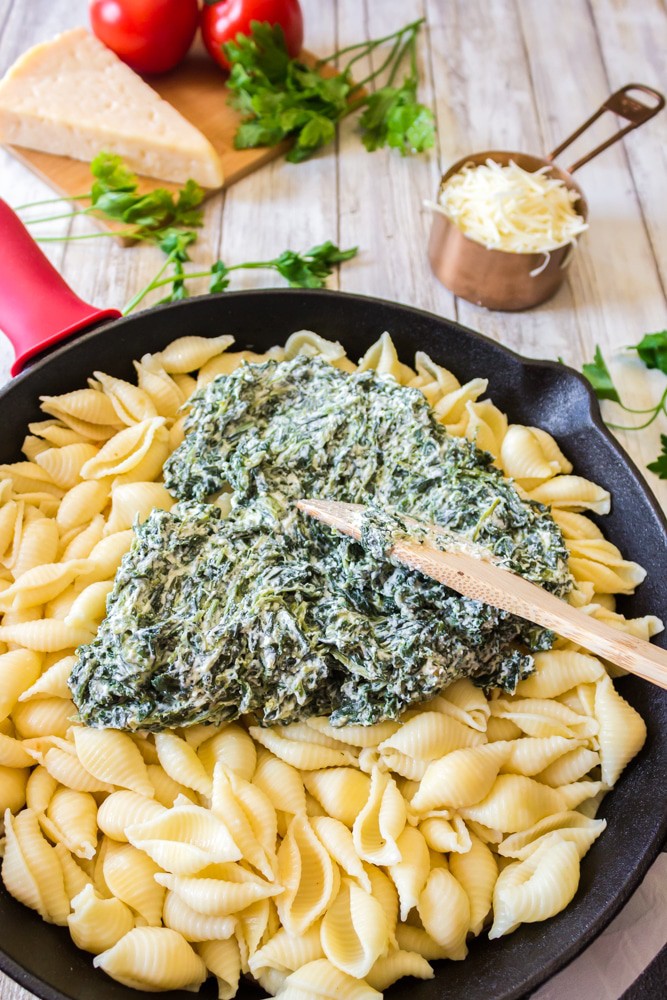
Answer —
(282, 98)
(652, 350)
(660, 464)
(169, 221)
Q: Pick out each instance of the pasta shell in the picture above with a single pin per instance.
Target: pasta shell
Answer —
(121, 810)
(622, 731)
(83, 543)
(258, 809)
(572, 493)
(225, 805)
(465, 703)
(257, 922)
(416, 939)
(187, 354)
(569, 768)
(48, 635)
(515, 803)
(461, 778)
(132, 501)
(338, 841)
(130, 876)
(125, 449)
(287, 952)
(381, 821)
(305, 756)
(192, 925)
(97, 924)
(71, 819)
(357, 736)
(536, 888)
(64, 464)
(166, 789)
(280, 782)
(161, 389)
(40, 789)
(31, 870)
(75, 878)
(65, 767)
(53, 682)
(38, 545)
(222, 958)
(13, 784)
(445, 912)
(409, 875)
(342, 791)
(320, 980)
(430, 735)
(354, 931)
(130, 404)
(530, 755)
(394, 966)
(43, 717)
(19, 669)
(477, 872)
(233, 748)
(41, 584)
(182, 763)
(113, 758)
(219, 897)
(153, 958)
(446, 835)
(557, 828)
(88, 405)
(308, 875)
(382, 358)
(89, 607)
(557, 671)
(184, 839)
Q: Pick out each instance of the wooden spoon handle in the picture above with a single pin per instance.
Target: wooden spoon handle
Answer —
(491, 584)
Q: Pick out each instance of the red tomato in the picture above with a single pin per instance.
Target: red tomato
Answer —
(151, 36)
(223, 21)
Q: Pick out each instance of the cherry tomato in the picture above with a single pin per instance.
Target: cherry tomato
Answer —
(223, 21)
(151, 36)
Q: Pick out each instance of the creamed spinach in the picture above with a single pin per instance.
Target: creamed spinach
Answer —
(267, 611)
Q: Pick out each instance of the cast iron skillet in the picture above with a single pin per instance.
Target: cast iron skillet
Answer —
(42, 957)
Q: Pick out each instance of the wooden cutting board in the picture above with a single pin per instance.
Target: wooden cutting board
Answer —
(197, 89)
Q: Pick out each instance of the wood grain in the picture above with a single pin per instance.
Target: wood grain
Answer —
(500, 73)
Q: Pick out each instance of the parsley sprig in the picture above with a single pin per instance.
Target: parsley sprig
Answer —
(169, 221)
(652, 350)
(282, 98)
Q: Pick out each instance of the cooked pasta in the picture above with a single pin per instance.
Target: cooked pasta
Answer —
(324, 861)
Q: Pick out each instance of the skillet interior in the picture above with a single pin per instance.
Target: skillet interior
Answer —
(549, 395)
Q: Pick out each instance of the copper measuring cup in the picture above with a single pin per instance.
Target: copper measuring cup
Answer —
(502, 280)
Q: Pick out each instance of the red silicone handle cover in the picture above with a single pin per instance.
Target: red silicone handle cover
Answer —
(37, 307)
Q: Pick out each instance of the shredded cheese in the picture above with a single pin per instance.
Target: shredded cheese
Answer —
(508, 208)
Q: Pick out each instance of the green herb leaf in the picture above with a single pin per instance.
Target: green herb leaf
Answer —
(394, 117)
(652, 349)
(219, 277)
(111, 175)
(282, 97)
(660, 464)
(599, 377)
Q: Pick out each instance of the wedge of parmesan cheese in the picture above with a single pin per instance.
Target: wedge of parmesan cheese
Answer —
(72, 96)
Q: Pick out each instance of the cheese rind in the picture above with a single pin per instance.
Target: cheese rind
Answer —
(72, 96)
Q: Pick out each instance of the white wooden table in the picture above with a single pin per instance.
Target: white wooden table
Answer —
(508, 74)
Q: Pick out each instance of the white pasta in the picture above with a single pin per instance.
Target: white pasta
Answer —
(185, 839)
(153, 958)
(381, 821)
(288, 852)
(308, 876)
(354, 930)
(536, 888)
(97, 924)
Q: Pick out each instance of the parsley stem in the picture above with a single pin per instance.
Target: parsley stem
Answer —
(365, 45)
(52, 201)
(54, 218)
(121, 234)
(155, 283)
(387, 62)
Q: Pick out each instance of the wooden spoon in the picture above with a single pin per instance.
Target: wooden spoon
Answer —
(491, 584)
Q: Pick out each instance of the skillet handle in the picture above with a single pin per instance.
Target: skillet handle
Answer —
(37, 307)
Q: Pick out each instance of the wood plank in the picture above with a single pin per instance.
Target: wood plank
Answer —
(632, 38)
(381, 193)
(615, 284)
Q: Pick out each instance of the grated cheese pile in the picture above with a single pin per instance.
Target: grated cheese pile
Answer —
(508, 208)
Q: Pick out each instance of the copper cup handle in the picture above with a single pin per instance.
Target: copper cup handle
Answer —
(635, 112)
